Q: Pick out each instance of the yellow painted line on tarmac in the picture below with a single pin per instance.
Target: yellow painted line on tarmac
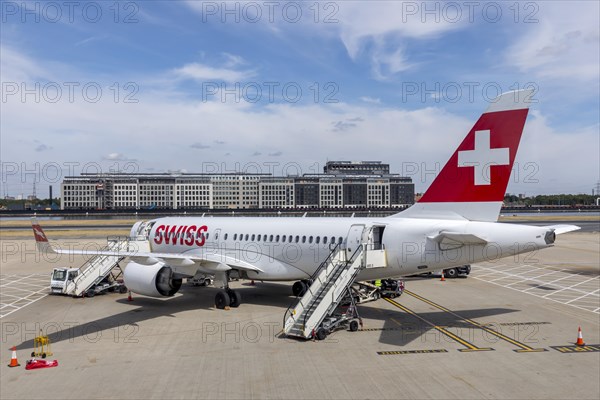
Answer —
(469, 346)
(523, 348)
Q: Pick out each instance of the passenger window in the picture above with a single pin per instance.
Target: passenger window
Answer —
(310, 239)
(246, 239)
(277, 238)
(297, 239)
(225, 237)
(318, 239)
(253, 236)
(340, 240)
(235, 236)
(216, 235)
(271, 238)
(324, 239)
(303, 239)
(258, 238)
(283, 238)
(290, 239)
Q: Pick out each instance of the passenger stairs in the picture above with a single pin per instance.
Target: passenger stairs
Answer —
(331, 282)
(97, 268)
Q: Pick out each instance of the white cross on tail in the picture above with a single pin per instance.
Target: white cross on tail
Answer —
(483, 157)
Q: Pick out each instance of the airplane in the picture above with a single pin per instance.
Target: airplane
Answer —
(454, 223)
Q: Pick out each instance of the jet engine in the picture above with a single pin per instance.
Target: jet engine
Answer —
(154, 280)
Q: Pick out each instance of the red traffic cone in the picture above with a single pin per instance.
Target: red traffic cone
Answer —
(129, 298)
(580, 341)
(442, 278)
(13, 360)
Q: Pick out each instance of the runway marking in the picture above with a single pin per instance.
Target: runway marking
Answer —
(469, 346)
(573, 289)
(19, 291)
(590, 348)
(523, 348)
(396, 352)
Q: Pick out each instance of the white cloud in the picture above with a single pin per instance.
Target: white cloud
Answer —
(564, 43)
(372, 100)
(202, 72)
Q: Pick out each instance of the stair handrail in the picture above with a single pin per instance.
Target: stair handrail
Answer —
(99, 259)
(343, 265)
(298, 298)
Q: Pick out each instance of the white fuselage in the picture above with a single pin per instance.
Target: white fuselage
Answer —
(293, 248)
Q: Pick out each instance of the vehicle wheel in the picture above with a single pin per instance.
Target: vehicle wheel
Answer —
(236, 298)
(299, 288)
(450, 273)
(468, 269)
(33, 354)
(43, 355)
(222, 299)
(321, 334)
(353, 325)
(90, 293)
(123, 289)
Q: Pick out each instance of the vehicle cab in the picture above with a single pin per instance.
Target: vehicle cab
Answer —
(61, 277)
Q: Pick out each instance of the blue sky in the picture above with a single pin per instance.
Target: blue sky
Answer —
(398, 81)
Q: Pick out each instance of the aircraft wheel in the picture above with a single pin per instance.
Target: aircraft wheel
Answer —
(222, 299)
(299, 288)
(353, 325)
(321, 334)
(236, 298)
(451, 273)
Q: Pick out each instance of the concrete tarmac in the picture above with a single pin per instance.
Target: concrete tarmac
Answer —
(486, 336)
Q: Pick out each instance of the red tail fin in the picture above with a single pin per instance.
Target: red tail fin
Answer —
(473, 182)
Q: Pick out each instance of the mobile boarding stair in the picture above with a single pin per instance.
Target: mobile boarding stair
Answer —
(97, 268)
(314, 315)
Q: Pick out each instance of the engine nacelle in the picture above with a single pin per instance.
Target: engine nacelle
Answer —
(154, 280)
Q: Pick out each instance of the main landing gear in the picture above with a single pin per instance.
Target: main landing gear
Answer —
(226, 297)
(300, 287)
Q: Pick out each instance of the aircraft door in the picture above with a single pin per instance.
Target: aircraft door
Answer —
(354, 238)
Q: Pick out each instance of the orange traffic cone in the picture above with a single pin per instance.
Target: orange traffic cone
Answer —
(442, 278)
(13, 361)
(129, 298)
(580, 341)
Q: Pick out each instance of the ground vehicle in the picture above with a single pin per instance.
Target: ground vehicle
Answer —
(391, 288)
(200, 280)
(60, 279)
(106, 286)
(463, 270)
(455, 272)
(347, 319)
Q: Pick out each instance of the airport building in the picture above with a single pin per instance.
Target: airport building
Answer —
(343, 184)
